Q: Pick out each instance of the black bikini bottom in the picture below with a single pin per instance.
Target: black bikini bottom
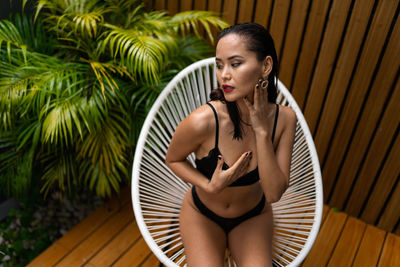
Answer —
(227, 224)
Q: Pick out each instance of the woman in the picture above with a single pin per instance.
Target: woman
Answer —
(243, 143)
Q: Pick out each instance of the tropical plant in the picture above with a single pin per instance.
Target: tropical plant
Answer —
(76, 83)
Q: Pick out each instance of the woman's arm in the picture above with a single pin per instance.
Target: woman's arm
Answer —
(188, 137)
(274, 167)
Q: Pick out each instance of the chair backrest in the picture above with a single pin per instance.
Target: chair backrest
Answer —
(157, 192)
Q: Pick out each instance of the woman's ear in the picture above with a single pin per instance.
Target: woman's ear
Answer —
(267, 65)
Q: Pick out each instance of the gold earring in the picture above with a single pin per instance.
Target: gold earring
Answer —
(264, 83)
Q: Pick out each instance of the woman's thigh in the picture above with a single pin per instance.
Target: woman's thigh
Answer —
(251, 241)
(204, 241)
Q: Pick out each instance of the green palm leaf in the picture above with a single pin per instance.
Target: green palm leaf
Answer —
(10, 35)
(190, 20)
(143, 54)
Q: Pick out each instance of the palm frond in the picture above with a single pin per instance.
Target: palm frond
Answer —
(143, 54)
(10, 35)
(102, 72)
(60, 171)
(190, 20)
(104, 151)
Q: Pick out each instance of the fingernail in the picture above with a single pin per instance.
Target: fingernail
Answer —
(247, 153)
(257, 86)
(251, 153)
(219, 157)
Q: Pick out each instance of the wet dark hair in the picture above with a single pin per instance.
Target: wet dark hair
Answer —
(259, 41)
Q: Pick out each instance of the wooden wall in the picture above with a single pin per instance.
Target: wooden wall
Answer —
(340, 59)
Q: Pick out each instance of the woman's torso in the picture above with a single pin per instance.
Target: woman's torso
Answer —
(232, 201)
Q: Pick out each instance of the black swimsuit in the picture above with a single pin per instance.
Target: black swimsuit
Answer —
(207, 167)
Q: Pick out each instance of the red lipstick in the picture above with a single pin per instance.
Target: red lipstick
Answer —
(227, 88)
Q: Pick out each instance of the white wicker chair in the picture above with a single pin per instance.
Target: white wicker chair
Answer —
(157, 192)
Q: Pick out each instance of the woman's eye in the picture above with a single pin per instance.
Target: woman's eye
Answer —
(236, 64)
(219, 66)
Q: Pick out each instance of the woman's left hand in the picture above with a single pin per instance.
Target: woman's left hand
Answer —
(259, 109)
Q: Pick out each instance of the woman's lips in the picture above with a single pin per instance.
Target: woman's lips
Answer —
(227, 88)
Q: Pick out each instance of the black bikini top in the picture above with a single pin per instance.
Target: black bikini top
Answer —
(208, 164)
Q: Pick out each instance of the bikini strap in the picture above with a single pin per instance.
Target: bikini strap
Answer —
(276, 120)
(216, 124)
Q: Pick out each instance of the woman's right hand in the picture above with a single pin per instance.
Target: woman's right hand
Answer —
(223, 178)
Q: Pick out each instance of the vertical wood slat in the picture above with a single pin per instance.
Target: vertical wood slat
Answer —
(215, 6)
(229, 11)
(381, 191)
(342, 75)
(262, 12)
(173, 7)
(380, 144)
(353, 102)
(293, 39)
(326, 59)
(302, 76)
(160, 4)
(278, 23)
(186, 5)
(391, 213)
(245, 11)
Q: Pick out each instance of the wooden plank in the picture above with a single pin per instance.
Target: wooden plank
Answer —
(348, 243)
(245, 11)
(390, 253)
(278, 23)
(89, 247)
(342, 75)
(329, 48)
(318, 13)
(293, 38)
(151, 261)
(370, 247)
(50, 256)
(173, 6)
(369, 57)
(229, 13)
(383, 187)
(215, 6)
(391, 213)
(117, 246)
(81, 231)
(325, 212)
(326, 240)
(135, 255)
(200, 5)
(263, 12)
(381, 141)
(186, 5)
(160, 4)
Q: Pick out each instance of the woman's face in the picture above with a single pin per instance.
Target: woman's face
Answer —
(238, 69)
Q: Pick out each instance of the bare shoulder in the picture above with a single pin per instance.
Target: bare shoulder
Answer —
(288, 115)
(200, 121)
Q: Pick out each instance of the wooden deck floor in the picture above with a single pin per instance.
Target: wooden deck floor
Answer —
(110, 237)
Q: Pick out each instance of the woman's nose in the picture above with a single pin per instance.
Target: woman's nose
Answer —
(225, 74)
